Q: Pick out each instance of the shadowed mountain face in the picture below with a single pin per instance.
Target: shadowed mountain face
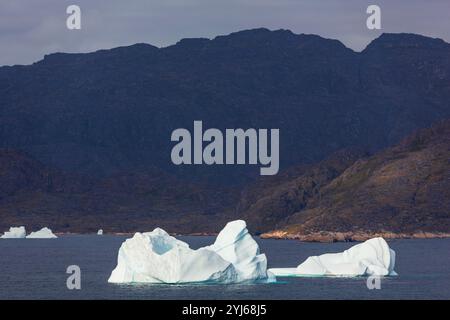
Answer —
(403, 189)
(113, 111)
(94, 133)
(268, 202)
(34, 195)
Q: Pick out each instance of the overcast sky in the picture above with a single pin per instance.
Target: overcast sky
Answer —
(30, 29)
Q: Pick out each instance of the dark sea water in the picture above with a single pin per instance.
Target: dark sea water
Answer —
(36, 269)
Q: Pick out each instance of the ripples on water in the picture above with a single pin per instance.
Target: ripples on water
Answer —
(36, 269)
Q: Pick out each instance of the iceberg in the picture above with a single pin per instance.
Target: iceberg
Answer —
(157, 257)
(100, 232)
(44, 233)
(372, 257)
(15, 233)
(235, 244)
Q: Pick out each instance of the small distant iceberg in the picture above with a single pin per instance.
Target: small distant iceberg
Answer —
(15, 233)
(44, 233)
(157, 257)
(370, 258)
(100, 232)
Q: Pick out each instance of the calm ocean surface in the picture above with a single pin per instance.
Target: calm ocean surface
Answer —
(36, 269)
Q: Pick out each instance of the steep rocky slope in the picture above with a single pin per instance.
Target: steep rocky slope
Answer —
(402, 190)
(33, 195)
(114, 110)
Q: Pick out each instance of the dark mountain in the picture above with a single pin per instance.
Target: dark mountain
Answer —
(402, 190)
(94, 130)
(268, 202)
(112, 111)
(34, 195)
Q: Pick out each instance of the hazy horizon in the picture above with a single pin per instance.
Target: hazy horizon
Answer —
(219, 35)
(28, 31)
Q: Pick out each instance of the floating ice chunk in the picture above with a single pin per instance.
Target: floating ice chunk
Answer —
(15, 233)
(157, 257)
(372, 257)
(44, 233)
(100, 232)
(235, 244)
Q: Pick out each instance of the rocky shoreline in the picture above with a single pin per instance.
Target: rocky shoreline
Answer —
(329, 236)
(323, 236)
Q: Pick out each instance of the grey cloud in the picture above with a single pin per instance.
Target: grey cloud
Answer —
(31, 29)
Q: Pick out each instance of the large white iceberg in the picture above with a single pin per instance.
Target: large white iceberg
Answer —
(235, 244)
(372, 257)
(44, 233)
(15, 233)
(157, 257)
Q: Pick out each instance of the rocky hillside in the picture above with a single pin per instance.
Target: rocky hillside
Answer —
(94, 133)
(33, 195)
(266, 203)
(402, 190)
(114, 110)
